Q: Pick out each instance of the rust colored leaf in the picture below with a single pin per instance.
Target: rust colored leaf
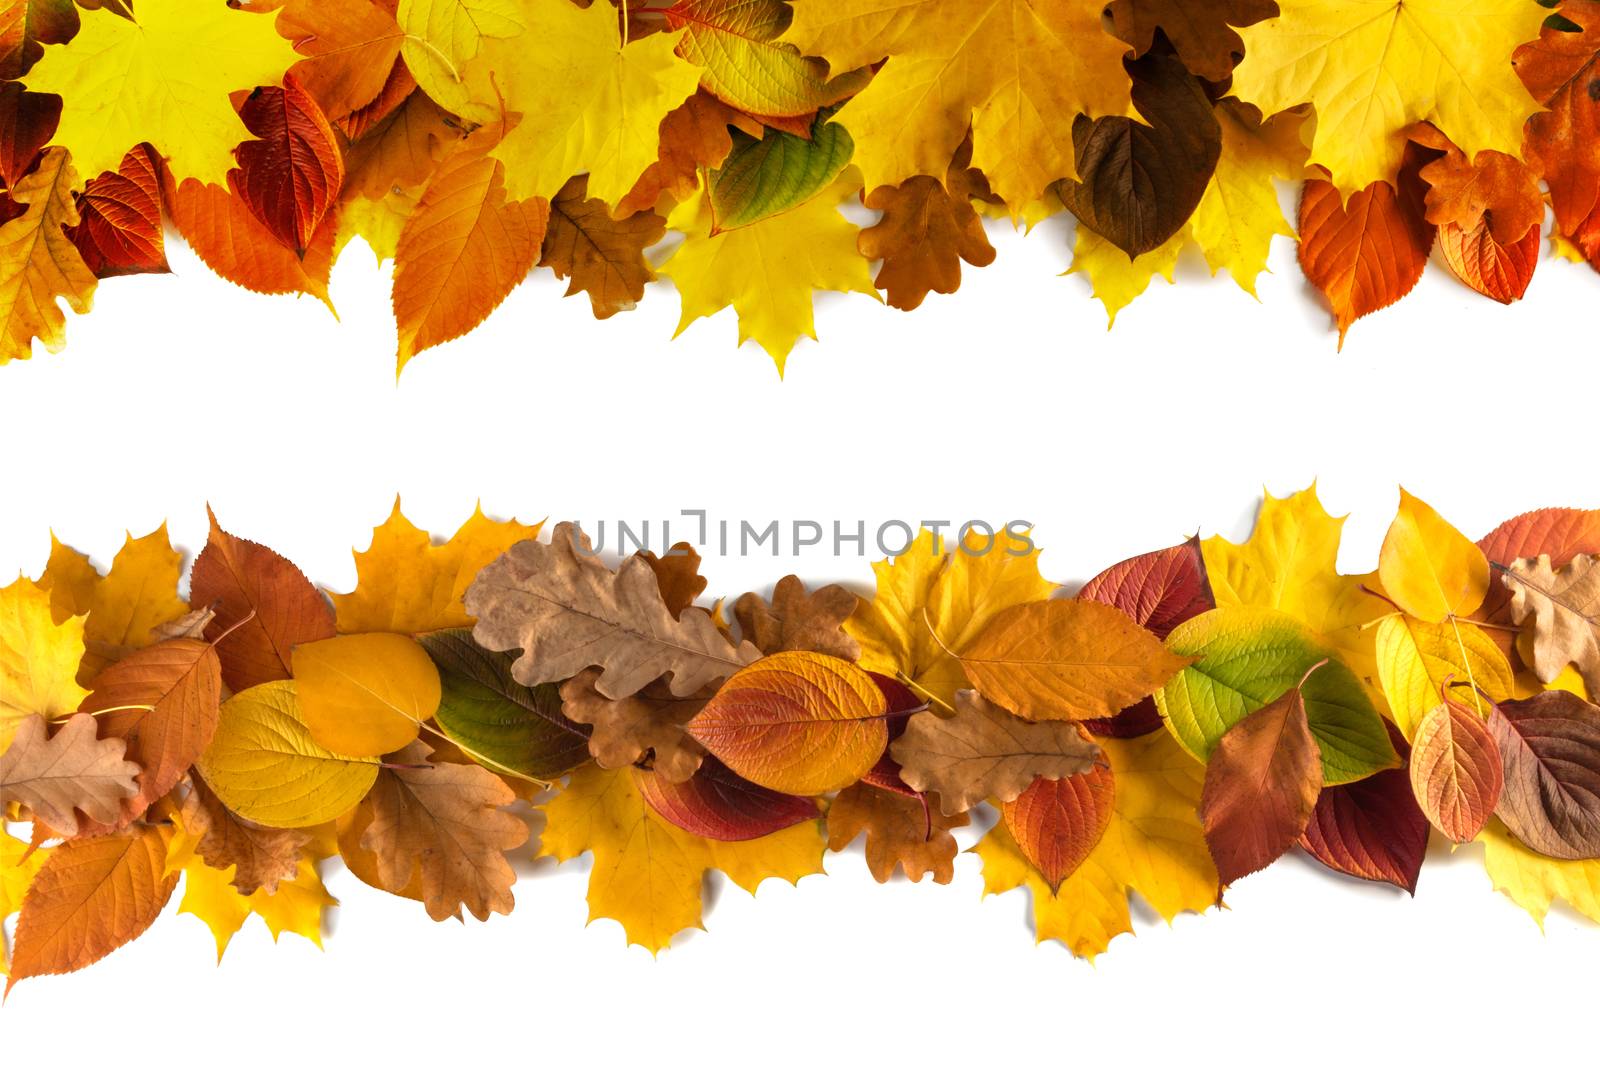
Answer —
(644, 725)
(1560, 533)
(461, 252)
(57, 777)
(442, 823)
(601, 255)
(27, 122)
(1261, 786)
(927, 229)
(1058, 822)
(1559, 69)
(1455, 770)
(678, 576)
(1372, 828)
(1498, 271)
(398, 150)
(694, 137)
(798, 621)
(1137, 183)
(902, 831)
(290, 175)
(351, 48)
(90, 898)
(180, 681)
(261, 856)
(717, 804)
(263, 599)
(1201, 33)
(119, 228)
(983, 751)
(227, 236)
(1550, 755)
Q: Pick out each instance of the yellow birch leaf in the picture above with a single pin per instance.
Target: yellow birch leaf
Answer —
(406, 584)
(1016, 72)
(139, 593)
(365, 694)
(931, 590)
(647, 873)
(164, 76)
(1428, 568)
(70, 579)
(39, 264)
(767, 271)
(1373, 68)
(264, 764)
(1153, 846)
(296, 906)
(39, 659)
(1415, 658)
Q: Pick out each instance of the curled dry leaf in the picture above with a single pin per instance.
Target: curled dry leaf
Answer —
(443, 822)
(1561, 607)
(796, 722)
(908, 832)
(76, 770)
(984, 751)
(649, 722)
(260, 856)
(1455, 770)
(1550, 755)
(798, 621)
(718, 805)
(567, 612)
(1057, 823)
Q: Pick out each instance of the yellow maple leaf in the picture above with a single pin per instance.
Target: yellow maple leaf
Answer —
(164, 77)
(1290, 564)
(767, 271)
(1115, 279)
(39, 658)
(1153, 846)
(17, 868)
(647, 873)
(39, 264)
(296, 906)
(1017, 72)
(1536, 882)
(932, 601)
(139, 593)
(70, 579)
(584, 99)
(406, 584)
(1372, 68)
(1239, 214)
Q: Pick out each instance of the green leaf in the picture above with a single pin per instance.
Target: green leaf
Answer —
(1250, 656)
(492, 715)
(760, 179)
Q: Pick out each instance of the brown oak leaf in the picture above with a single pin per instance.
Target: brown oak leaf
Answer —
(902, 831)
(76, 770)
(678, 575)
(798, 621)
(694, 136)
(1561, 608)
(261, 856)
(603, 256)
(650, 721)
(1202, 33)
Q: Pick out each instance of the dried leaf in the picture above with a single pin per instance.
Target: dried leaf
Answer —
(76, 770)
(798, 621)
(603, 256)
(905, 832)
(694, 136)
(927, 229)
(1202, 34)
(291, 172)
(718, 805)
(259, 856)
(1371, 829)
(1498, 271)
(350, 45)
(39, 264)
(1455, 770)
(1550, 755)
(1561, 608)
(678, 575)
(119, 228)
(1058, 823)
(648, 723)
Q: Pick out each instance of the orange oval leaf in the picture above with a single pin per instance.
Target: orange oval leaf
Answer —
(1455, 770)
(1058, 822)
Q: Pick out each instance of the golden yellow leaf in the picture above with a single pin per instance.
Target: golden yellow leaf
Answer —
(138, 594)
(647, 873)
(928, 591)
(1415, 658)
(1239, 213)
(70, 579)
(406, 584)
(1153, 846)
(1428, 568)
(442, 36)
(767, 271)
(1372, 68)
(1535, 882)
(365, 694)
(1116, 280)
(164, 77)
(38, 659)
(17, 868)
(39, 264)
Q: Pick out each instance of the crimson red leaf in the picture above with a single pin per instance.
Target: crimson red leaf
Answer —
(1058, 822)
(1372, 828)
(716, 803)
(290, 175)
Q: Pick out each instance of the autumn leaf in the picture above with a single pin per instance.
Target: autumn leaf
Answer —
(1373, 69)
(648, 723)
(365, 694)
(444, 822)
(1499, 271)
(1056, 823)
(567, 611)
(1017, 74)
(647, 873)
(1371, 829)
(291, 171)
(162, 77)
(1428, 568)
(797, 621)
(39, 263)
(297, 905)
(602, 255)
(983, 751)
(901, 832)
(717, 804)
(1550, 757)
(221, 229)
(1261, 786)
(264, 605)
(399, 150)
(76, 770)
(19, 864)
(70, 579)
(119, 228)
(1560, 72)
(139, 594)
(1536, 882)
(90, 898)
(777, 172)
(1558, 606)
(264, 765)
(255, 857)
(1238, 214)
(796, 722)
(39, 658)
(1455, 770)
(1415, 658)
(1202, 34)
(350, 47)
(406, 584)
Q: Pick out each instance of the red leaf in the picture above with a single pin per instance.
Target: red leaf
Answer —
(290, 176)
(716, 803)
(1058, 822)
(263, 599)
(120, 231)
(1372, 828)
(27, 122)
(1498, 271)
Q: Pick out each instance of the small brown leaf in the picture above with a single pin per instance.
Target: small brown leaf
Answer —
(603, 256)
(798, 621)
(1561, 608)
(261, 856)
(650, 721)
(694, 137)
(927, 229)
(1201, 33)
(76, 770)
(902, 831)
(678, 575)
(984, 751)
(1455, 770)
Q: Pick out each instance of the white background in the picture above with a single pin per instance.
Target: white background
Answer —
(1006, 401)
